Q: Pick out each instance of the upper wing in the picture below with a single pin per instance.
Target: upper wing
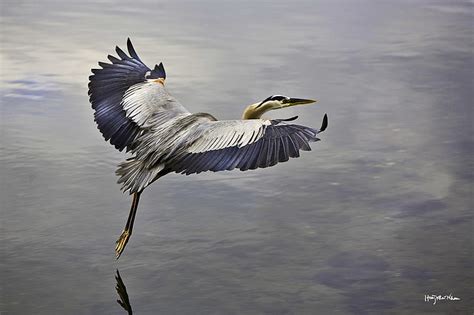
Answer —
(125, 94)
(244, 144)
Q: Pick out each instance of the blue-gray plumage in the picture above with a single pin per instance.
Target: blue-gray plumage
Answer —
(134, 111)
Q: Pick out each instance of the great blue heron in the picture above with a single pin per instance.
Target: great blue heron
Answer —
(134, 110)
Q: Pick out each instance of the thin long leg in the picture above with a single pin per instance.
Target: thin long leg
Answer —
(127, 232)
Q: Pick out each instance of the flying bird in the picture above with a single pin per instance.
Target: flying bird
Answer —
(135, 112)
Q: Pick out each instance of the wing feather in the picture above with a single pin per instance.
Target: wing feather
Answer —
(124, 99)
(215, 148)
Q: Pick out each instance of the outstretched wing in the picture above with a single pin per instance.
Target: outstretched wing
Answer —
(244, 144)
(125, 94)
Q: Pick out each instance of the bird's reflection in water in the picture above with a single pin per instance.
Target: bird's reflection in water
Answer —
(122, 292)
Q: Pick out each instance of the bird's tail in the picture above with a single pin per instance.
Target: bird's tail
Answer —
(135, 176)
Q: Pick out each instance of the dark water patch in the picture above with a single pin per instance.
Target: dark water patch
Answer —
(363, 279)
(27, 93)
(415, 273)
(358, 260)
(238, 251)
(23, 81)
(421, 208)
(360, 303)
(346, 278)
(364, 290)
(454, 221)
(326, 217)
(459, 220)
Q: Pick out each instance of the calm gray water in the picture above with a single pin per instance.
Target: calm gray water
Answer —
(375, 217)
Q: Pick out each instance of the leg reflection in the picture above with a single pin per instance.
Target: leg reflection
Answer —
(122, 292)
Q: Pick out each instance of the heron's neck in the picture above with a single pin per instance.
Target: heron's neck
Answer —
(251, 112)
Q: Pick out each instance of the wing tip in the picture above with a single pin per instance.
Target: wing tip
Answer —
(113, 59)
(324, 125)
(121, 53)
(131, 49)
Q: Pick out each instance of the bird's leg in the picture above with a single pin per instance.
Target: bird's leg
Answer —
(127, 232)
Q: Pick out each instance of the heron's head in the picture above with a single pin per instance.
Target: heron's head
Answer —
(256, 110)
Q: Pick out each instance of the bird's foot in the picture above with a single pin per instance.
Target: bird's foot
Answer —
(121, 242)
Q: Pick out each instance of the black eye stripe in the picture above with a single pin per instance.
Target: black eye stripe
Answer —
(265, 100)
(272, 98)
(278, 98)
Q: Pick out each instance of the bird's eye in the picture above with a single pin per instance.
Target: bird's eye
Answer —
(286, 100)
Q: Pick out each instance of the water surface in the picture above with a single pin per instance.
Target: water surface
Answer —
(375, 217)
